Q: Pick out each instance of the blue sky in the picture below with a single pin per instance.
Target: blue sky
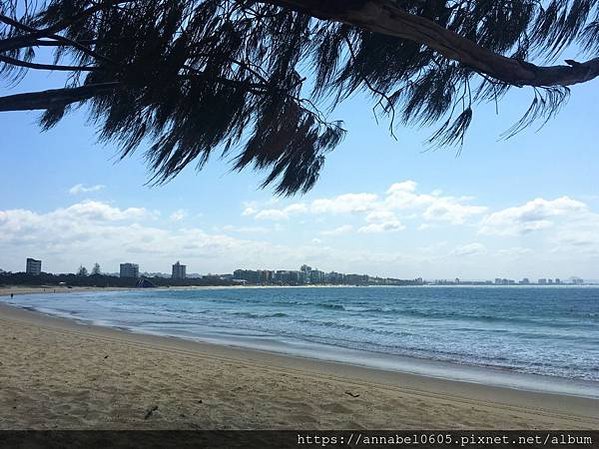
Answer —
(528, 206)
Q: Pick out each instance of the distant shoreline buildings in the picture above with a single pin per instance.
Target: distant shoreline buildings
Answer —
(179, 271)
(129, 270)
(33, 267)
(306, 275)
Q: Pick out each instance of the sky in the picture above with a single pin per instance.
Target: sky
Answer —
(525, 207)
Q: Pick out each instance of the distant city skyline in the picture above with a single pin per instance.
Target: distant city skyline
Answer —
(313, 275)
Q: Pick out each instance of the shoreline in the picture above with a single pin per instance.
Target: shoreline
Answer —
(6, 290)
(484, 375)
(518, 407)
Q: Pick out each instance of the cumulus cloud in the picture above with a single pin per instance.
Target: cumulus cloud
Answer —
(381, 213)
(81, 188)
(532, 216)
(344, 204)
(275, 214)
(434, 206)
(71, 222)
(377, 228)
(96, 210)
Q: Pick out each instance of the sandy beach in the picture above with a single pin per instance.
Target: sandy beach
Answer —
(30, 290)
(57, 374)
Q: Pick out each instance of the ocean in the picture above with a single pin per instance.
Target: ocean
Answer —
(544, 338)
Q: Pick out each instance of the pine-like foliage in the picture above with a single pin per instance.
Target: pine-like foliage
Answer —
(245, 79)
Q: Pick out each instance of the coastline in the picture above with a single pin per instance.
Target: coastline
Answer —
(49, 289)
(79, 370)
(486, 375)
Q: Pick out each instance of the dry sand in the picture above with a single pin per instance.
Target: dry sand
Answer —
(57, 374)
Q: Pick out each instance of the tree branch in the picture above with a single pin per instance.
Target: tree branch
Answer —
(36, 66)
(385, 17)
(55, 98)
(16, 42)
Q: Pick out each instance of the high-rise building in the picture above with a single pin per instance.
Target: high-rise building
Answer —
(129, 270)
(179, 271)
(34, 267)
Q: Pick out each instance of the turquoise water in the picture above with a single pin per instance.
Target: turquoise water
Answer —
(551, 331)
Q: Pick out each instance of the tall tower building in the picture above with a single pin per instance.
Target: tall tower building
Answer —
(129, 270)
(179, 271)
(34, 267)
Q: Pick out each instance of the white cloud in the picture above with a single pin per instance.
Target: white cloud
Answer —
(434, 207)
(297, 208)
(380, 215)
(471, 249)
(272, 214)
(96, 210)
(387, 226)
(343, 204)
(344, 229)
(401, 198)
(248, 229)
(276, 214)
(404, 186)
(80, 188)
(75, 222)
(532, 216)
(248, 211)
(178, 215)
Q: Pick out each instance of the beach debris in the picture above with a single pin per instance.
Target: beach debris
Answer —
(105, 357)
(150, 411)
(353, 395)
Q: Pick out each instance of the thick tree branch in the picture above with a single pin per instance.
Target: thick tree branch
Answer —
(383, 16)
(55, 98)
(56, 67)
